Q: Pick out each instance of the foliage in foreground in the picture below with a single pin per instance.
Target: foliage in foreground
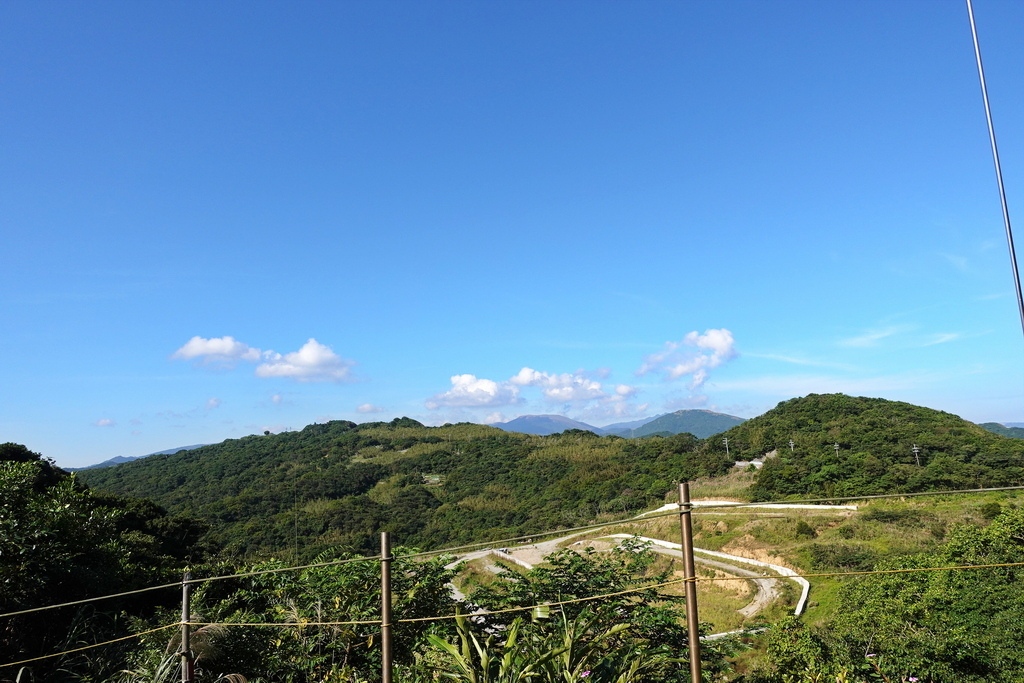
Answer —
(953, 626)
(638, 623)
(337, 607)
(61, 542)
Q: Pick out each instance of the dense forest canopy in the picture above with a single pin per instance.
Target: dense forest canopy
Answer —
(876, 439)
(340, 484)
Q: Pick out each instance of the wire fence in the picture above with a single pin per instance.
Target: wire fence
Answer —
(559, 603)
(532, 537)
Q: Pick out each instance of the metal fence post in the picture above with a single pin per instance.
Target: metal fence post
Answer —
(385, 606)
(690, 574)
(187, 665)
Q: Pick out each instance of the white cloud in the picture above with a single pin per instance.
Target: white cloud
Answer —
(560, 388)
(212, 403)
(104, 422)
(216, 350)
(710, 350)
(314, 362)
(369, 408)
(276, 399)
(471, 391)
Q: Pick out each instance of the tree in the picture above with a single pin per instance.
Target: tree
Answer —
(61, 543)
(634, 618)
(957, 626)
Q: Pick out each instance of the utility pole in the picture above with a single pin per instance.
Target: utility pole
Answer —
(836, 446)
(916, 456)
(725, 440)
(791, 444)
(690, 575)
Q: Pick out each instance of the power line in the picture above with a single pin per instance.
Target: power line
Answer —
(998, 167)
(89, 647)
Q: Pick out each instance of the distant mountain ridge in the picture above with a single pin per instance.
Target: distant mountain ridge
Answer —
(120, 459)
(700, 423)
(543, 425)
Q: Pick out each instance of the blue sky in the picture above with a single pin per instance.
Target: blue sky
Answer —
(222, 218)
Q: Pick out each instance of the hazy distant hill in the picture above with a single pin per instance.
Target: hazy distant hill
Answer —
(1003, 430)
(619, 427)
(700, 423)
(129, 458)
(543, 425)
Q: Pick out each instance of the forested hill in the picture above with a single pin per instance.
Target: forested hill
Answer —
(340, 484)
(876, 438)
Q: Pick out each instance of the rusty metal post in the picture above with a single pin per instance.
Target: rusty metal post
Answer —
(187, 665)
(385, 607)
(690, 574)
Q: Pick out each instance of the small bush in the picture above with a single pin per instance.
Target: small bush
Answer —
(991, 510)
(805, 530)
(893, 516)
(841, 556)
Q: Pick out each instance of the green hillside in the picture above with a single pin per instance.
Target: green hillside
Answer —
(876, 439)
(340, 484)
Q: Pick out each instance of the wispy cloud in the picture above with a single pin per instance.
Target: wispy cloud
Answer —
(367, 408)
(793, 360)
(786, 386)
(958, 262)
(872, 338)
(104, 422)
(942, 338)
